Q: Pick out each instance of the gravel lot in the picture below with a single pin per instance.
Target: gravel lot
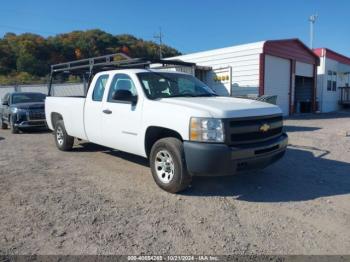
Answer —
(94, 200)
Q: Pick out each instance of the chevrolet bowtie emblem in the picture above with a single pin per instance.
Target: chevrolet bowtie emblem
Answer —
(264, 128)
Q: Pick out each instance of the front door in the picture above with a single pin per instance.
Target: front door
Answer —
(121, 120)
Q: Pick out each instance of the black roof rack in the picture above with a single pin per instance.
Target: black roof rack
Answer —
(93, 65)
(108, 62)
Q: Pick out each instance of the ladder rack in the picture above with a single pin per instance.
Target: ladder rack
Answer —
(87, 63)
(108, 62)
(90, 66)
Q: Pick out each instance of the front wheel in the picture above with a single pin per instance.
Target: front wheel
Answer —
(167, 161)
(14, 129)
(64, 142)
(3, 125)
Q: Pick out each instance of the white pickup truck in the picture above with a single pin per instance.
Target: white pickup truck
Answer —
(174, 120)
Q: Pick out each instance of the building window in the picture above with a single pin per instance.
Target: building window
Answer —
(334, 86)
(329, 80)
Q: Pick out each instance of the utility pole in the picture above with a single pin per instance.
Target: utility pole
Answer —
(312, 20)
(160, 36)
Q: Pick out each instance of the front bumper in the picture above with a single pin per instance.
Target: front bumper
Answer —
(31, 124)
(23, 120)
(207, 159)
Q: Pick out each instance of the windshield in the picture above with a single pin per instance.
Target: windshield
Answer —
(165, 85)
(27, 98)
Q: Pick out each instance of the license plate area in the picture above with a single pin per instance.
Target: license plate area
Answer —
(266, 150)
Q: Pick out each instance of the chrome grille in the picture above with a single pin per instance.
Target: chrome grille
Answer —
(36, 115)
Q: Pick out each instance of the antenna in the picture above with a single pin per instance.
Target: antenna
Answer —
(312, 20)
(159, 36)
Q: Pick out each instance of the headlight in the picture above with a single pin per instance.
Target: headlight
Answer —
(16, 110)
(206, 130)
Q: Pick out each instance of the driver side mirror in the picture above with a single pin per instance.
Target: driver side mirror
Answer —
(5, 103)
(125, 95)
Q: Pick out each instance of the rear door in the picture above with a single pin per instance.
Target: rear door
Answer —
(121, 120)
(93, 109)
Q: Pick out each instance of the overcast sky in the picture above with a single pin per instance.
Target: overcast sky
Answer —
(188, 25)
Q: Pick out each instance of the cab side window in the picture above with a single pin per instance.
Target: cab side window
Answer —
(121, 82)
(99, 88)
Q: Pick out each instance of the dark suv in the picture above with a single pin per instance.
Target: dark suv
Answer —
(22, 111)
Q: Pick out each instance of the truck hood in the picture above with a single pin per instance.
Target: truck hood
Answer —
(32, 105)
(225, 107)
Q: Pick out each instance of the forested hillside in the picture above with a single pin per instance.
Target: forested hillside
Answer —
(25, 58)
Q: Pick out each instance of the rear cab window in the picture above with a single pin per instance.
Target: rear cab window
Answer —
(99, 88)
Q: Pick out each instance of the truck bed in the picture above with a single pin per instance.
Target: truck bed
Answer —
(72, 111)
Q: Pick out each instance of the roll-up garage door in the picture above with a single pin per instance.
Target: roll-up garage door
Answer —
(277, 80)
(303, 69)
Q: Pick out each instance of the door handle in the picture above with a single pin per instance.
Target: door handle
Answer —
(107, 111)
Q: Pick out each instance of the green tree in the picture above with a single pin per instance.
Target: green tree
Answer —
(27, 57)
(7, 58)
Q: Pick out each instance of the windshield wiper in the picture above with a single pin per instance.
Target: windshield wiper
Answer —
(206, 95)
(181, 95)
(191, 95)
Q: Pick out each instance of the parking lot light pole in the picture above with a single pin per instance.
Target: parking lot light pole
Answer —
(312, 20)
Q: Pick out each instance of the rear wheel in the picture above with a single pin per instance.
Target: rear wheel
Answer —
(14, 129)
(167, 161)
(64, 142)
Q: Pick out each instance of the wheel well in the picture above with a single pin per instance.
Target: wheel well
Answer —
(54, 118)
(154, 133)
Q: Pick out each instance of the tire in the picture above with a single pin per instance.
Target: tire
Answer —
(3, 125)
(14, 129)
(64, 142)
(168, 166)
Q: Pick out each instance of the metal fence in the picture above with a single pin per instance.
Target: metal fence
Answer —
(76, 89)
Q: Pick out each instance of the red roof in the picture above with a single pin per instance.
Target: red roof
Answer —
(291, 49)
(332, 55)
